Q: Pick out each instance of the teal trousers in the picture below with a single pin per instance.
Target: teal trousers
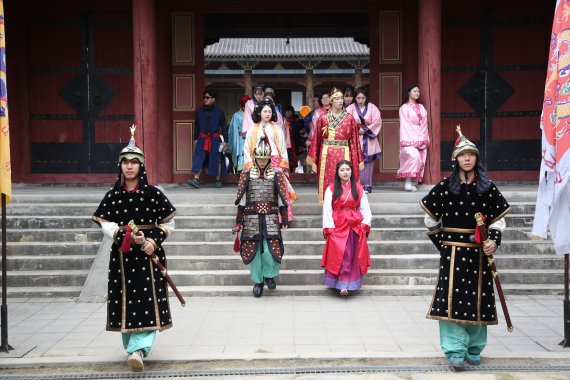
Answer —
(138, 341)
(460, 340)
(263, 264)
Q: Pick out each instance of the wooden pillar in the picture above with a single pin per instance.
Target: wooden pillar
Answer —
(309, 86)
(145, 83)
(429, 80)
(358, 66)
(248, 76)
(248, 82)
(310, 89)
(357, 76)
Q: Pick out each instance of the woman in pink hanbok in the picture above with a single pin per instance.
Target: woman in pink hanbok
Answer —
(414, 139)
(369, 123)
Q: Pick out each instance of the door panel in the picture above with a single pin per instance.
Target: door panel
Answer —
(81, 91)
(492, 83)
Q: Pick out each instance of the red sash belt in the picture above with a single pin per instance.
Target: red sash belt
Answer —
(208, 139)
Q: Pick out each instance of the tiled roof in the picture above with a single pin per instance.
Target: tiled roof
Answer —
(278, 48)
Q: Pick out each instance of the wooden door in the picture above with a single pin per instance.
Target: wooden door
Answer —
(81, 91)
(494, 67)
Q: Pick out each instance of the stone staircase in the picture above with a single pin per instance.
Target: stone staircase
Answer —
(52, 244)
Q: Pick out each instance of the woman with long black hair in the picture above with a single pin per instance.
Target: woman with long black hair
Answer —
(346, 225)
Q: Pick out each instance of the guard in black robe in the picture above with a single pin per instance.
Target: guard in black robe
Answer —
(137, 303)
(464, 299)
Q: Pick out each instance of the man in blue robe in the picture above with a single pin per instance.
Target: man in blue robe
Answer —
(209, 130)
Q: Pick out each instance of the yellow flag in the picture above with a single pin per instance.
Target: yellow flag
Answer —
(5, 165)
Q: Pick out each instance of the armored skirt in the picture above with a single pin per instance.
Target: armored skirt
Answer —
(137, 292)
(464, 291)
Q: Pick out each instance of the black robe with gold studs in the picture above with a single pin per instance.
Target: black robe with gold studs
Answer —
(137, 292)
(464, 291)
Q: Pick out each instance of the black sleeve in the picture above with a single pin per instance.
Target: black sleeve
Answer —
(196, 127)
(432, 202)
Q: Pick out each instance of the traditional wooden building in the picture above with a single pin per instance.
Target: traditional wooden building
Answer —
(80, 72)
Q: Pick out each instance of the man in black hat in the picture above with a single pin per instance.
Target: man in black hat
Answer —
(210, 138)
(137, 304)
(464, 299)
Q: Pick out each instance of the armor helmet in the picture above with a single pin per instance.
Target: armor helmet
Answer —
(132, 151)
(463, 145)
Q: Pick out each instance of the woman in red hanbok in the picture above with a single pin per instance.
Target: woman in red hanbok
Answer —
(336, 138)
(346, 225)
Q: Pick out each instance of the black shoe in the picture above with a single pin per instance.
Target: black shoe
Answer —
(194, 182)
(258, 290)
(270, 283)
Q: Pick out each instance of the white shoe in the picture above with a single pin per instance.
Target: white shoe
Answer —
(408, 186)
(413, 188)
(135, 361)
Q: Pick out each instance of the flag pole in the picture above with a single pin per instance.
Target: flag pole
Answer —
(566, 341)
(4, 347)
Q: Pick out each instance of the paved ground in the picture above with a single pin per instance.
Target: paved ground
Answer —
(65, 332)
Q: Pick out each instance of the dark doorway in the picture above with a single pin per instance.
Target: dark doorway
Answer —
(492, 84)
(81, 91)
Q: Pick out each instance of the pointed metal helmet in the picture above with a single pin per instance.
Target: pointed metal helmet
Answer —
(463, 145)
(263, 149)
(132, 151)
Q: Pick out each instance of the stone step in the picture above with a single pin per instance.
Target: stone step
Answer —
(47, 278)
(38, 263)
(183, 194)
(51, 248)
(373, 277)
(80, 235)
(215, 209)
(386, 247)
(228, 221)
(293, 262)
(43, 291)
(220, 234)
(285, 290)
(311, 247)
(286, 277)
(301, 234)
(300, 262)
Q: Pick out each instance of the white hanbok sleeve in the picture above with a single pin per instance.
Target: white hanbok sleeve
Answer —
(109, 229)
(365, 210)
(328, 221)
(499, 225)
(247, 159)
(167, 227)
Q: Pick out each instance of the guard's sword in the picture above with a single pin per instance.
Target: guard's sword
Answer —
(161, 267)
(491, 261)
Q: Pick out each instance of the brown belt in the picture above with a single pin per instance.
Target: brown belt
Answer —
(141, 226)
(460, 244)
(261, 208)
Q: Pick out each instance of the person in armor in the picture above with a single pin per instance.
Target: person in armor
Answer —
(464, 298)
(137, 304)
(262, 213)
